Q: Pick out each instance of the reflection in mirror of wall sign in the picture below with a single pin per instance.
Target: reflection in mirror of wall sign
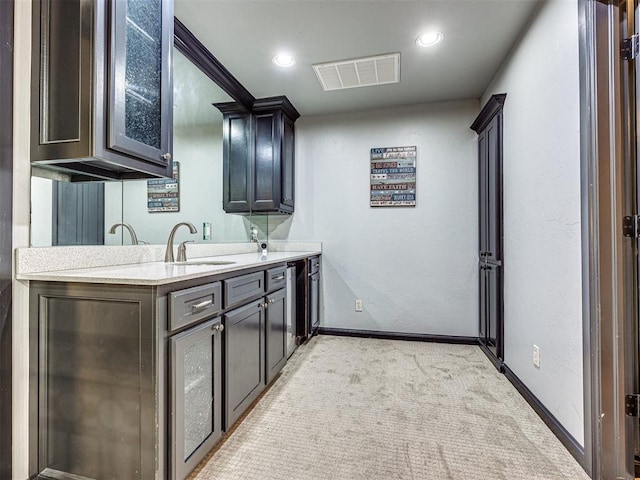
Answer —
(163, 194)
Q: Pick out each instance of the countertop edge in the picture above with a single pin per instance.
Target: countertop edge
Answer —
(84, 275)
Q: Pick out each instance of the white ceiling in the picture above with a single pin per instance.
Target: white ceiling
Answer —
(245, 34)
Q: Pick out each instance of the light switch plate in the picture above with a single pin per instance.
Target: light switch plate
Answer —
(358, 305)
(536, 356)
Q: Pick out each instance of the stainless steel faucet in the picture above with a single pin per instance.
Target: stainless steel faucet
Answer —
(168, 256)
(132, 232)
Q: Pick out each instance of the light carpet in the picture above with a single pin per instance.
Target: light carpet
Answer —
(352, 408)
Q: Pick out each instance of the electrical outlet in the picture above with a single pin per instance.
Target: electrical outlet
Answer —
(358, 305)
(536, 356)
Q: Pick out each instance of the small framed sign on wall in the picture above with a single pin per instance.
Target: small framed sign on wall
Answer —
(393, 177)
(163, 194)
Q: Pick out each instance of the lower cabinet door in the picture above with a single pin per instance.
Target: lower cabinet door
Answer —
(314, 303)
(196, 403)
(276, 328)
(244, 358)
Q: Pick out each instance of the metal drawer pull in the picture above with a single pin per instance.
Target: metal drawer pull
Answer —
(218, 327)
(201, 306)
(280, 277)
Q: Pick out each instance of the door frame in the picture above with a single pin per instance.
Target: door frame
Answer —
(6, 233)
(608, 263)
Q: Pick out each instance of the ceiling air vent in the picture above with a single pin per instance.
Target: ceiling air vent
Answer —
(359, 72)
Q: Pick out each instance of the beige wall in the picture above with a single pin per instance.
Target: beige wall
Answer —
(542, 224)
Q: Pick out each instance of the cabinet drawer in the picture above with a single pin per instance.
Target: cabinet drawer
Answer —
(242, 288)
(194, 304)
(276, 278)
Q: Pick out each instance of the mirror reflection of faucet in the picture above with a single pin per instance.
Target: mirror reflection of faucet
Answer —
(254, 234)
(263, 251)
(132, 233)
(182, 250)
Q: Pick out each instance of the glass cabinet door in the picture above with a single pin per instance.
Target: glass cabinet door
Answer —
(140, 113)
(196, 405)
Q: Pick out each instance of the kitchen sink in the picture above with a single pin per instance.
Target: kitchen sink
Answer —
(205, 262)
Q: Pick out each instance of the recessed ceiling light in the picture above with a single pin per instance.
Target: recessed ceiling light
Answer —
(429, 39)
(284, 60)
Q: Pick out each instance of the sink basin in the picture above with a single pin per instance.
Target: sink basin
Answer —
(205, 262)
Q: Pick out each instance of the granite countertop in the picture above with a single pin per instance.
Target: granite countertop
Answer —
(160, 273)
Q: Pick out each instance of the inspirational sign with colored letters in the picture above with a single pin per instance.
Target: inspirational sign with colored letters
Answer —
(163, 194)
(393, 177)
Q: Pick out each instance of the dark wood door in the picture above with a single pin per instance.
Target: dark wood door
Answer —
(490, 309)
(488, 125)
(314, 302)
(287, 164)
(490, 191)
(244, 352)
(266, 179)
(140, 96)
(483, 192)
(276, 333)
(493, 216)
(78, 213)
(196, 403)
(96, 383)
(237, 165)
(273, 180)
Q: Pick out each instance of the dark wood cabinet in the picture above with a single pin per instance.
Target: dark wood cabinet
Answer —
(488, 126)
(141, 382)
(244, 358)
(276, 333)
(101, 88)
(259, 156)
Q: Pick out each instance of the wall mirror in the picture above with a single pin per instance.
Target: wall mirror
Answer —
(64, 213)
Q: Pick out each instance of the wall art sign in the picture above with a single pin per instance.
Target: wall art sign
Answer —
(163, 194)
(393, 177)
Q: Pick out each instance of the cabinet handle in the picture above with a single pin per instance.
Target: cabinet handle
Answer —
(218, 327)
(272, 301)
(201, 306)
(279, 277)
(167, 157)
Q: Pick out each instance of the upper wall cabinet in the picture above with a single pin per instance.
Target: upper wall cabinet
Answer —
(101, 88)
(258, 155)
